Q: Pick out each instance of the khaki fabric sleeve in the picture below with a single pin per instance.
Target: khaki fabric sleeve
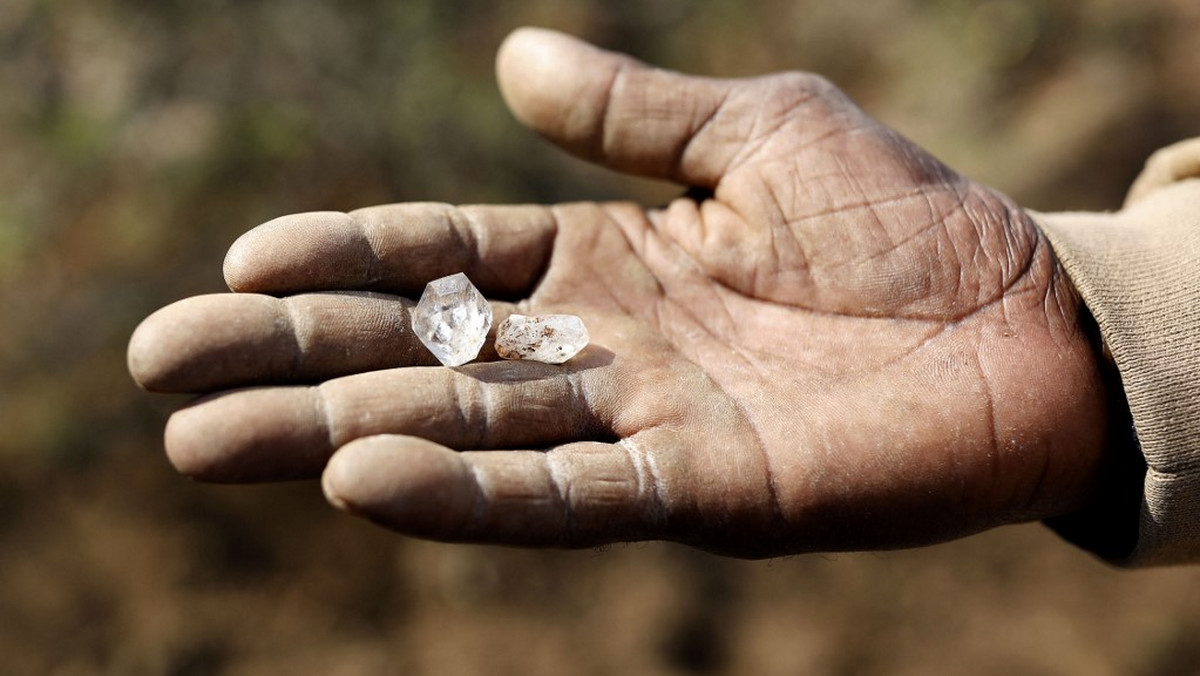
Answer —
(1138, 271)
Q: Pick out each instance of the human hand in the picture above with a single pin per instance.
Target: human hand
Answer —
(834, 342)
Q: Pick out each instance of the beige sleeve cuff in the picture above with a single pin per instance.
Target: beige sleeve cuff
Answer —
(1138, 271)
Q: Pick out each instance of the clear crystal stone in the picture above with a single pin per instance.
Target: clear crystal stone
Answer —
(452, 319)
(551, 339)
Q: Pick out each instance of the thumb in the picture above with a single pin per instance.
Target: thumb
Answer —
(614, 110)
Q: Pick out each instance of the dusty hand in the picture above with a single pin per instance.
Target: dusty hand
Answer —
(834, 342)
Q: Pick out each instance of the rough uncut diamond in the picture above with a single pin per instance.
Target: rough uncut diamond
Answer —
(452, 319)
(552, 339)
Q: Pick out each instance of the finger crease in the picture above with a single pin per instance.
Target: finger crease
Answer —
(470, 237)
(649, 482)
(601, 143)
(586, 422)
(479, 510)
(688, 141)
(561, 483)
(369, 237)
(324, 417)
(292, 323)
(472, 408)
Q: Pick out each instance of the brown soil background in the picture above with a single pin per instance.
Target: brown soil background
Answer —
(138, 139)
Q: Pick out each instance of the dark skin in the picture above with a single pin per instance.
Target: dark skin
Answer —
(833, 342)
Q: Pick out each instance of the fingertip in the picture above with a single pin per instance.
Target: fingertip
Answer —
(523, 36)
(299, 252)
(612, 109)
(522, 51)
(251, 435)
(159, 346)
(556, 84)
(406, 483)
(185, 451)
(529, 47)
(238, 266)
(254, 260)
(359, 478)
(142, 355)
(338, 473)
(201, 343)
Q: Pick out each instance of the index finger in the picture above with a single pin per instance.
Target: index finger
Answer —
(395, 248)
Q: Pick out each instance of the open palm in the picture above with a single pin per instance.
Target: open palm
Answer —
(833, 342)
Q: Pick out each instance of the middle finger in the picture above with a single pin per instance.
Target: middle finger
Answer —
(219, 341)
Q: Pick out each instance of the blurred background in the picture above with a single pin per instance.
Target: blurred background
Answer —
(138, 139)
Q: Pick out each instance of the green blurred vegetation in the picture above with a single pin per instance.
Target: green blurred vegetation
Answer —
(138, 139)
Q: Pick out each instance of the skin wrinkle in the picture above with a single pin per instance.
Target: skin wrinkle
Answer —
(1024, 271)
(602, 143)
(476, 520)
(894, 244)
(324, 418)
(743, 353)
(752, 145)
(613, 296)
(1062, 314)
(459, 227)
(960, 280)
(660, 508)
(689, 140)
(540, 276)
(680, 258)
(472, 409)
(841, 313)
(539, 272)
(989, 399)
(286, 313)
(531, 300)
(780, 220)
(639, 471)
(734, 208)
(686, 311)
(478, 244)
(581, 403)
(783, 524)
(803, 86)
(801, 260)
(1004, 314)
(486, 406)
(851, 177)
(988, 211)
(658, 219)
(956, 205)
(561, 483)
(644, 231)
(820, 140)
(934, 333)
(396, 323)
(980, 215)
(591, 422)
(731, 326)
(849, 207)
(370, 237)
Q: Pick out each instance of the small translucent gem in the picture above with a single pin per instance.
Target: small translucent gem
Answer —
(551, 339)
(452, 319)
